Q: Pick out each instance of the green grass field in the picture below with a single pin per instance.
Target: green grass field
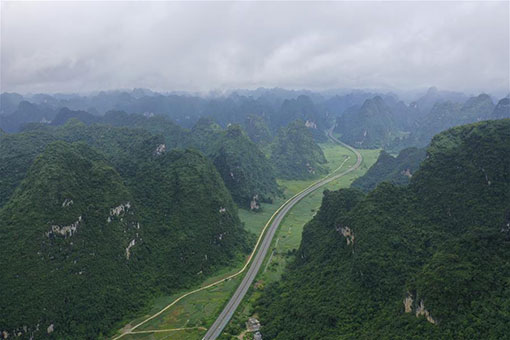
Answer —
(188, 334)
(201, 308)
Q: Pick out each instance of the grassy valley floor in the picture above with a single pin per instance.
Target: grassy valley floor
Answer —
(189, 318)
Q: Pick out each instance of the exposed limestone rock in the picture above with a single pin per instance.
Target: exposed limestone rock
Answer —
(160, 149)
(347, 233)
(50, 329)
(406, 172)
(67, 202)
(254, 204)
(223, 210)
(310, 124)
(148, 114)
(421, 310)
(252, 325)
(66, 231)
(131, 244)
(310, 169)
(118, 210)
(408, 303)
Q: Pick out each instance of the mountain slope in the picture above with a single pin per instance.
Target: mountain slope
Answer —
(446, 114)
(502, 109)
(244, 168)
(375, 124)
(59, 250)
(160, 223)
(397, 170)
(427, 261)
(295, 155)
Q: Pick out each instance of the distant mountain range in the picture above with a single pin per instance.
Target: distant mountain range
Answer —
(363, 119)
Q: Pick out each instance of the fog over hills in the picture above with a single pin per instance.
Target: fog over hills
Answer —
(179, 46)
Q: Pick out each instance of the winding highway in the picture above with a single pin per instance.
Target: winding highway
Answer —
(217, 327)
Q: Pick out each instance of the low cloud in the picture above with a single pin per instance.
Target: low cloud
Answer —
(83, 46)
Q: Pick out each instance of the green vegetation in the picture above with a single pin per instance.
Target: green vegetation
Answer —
(257, 129)
(397, 170)
(372, 126)
(445, 115)
(205, 305)
(244, 168)
(288, 236)
(295, 155)
(429, 260)
(502, 110)
(94, 230)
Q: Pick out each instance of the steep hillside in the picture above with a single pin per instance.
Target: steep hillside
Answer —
(425, 103)
(302, 108)
(445, 115)
(65, 262)
(295, 155)
(257, 129)
(375, 124)
(26, 112)
(96, 232)
(502, 109)
(65, 114)
(230, 150)
(9, 103)
(427, 261)
(397, 170)
(17, 152)
(245, 170)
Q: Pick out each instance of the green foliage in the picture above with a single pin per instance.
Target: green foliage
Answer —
(181, 224)
(257, 129)
(442, 241)
(244, 168)
(397, 170)
(295, 155)
(17, 152)
(445, 115)
(374, 125)
(302, 108)
(502, 110)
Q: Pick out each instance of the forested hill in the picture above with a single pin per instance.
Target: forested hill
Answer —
(295, 155)
(426, 261)
(244, 168)
(375, 124)
(92, 230)
(397, 170)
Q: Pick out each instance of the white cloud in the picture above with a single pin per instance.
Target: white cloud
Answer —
(57, 46)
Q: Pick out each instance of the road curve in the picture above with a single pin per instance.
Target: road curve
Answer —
(221, 322)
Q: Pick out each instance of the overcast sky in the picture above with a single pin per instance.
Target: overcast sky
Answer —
(74, 47)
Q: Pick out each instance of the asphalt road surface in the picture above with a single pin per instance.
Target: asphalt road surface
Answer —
(221, 322)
